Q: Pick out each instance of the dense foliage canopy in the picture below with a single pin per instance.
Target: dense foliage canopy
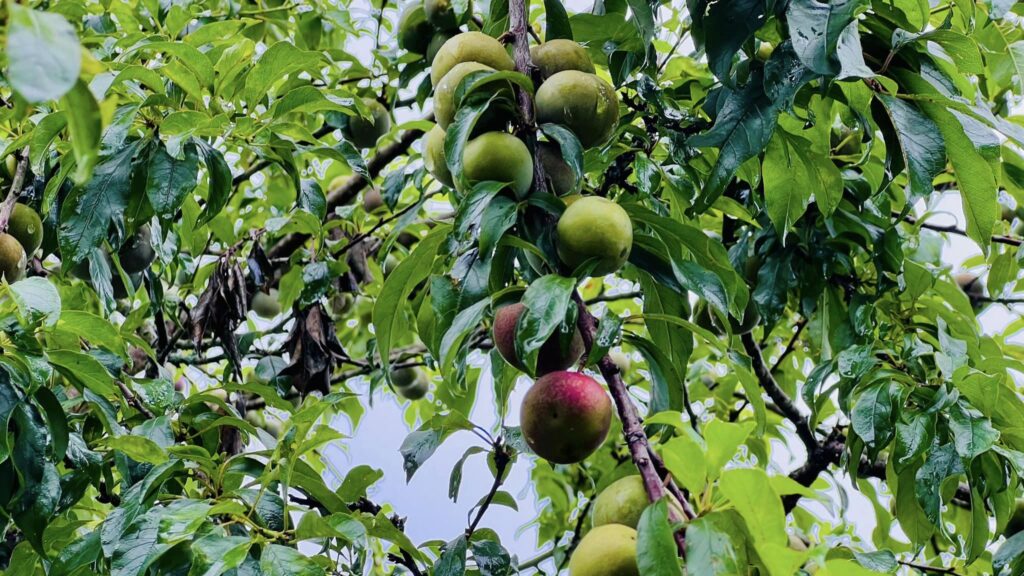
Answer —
(251, 224)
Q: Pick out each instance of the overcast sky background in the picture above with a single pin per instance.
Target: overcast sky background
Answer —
(431, 515)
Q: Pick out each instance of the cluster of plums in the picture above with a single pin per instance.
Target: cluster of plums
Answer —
(23, 237)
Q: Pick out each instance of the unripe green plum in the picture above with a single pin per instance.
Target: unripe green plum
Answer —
(441, 14)
(751, 318)
(402, 377)
(556, 169)
(436, 42)
(558, 55)
(469, 47)
(608, 550)
(416, 390)
(266, 305)
(444, 94)
(12, 258)
(26, 226)
(137, 253)
(364, 132)
(500, 157)
(433, 156)
(595, 227)
(550, 358)
(11, 164)
(581, 102)
(414, 32)
(624, 501)
(565, 417)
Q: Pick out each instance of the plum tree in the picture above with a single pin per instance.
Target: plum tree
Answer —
(598, 229)
(12, 258)
(565, 416)
(582, 102)
(414, 32)
(469, 47)
(499, 157)
(364, 132)
(552, 356)
(558, 55)
(26, 226)
(608, 550)
(137, 253)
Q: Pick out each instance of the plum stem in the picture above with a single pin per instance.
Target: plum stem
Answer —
(632, 428)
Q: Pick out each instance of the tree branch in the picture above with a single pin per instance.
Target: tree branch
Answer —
(778, 396)
(501, 461)
(632, 428)
(952, 229)
(347, 192)
(800, 324)
(518, 26)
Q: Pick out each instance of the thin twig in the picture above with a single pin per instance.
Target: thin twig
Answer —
(791, 346)
(775, 392)
(133, 400)
(501, 461)
(952, 229)
(381, 223)
(929, 569)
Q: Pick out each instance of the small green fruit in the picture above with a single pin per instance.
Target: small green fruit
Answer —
(595, 227)
(469, 47)
(364, 132)
(608, 550)
(624, 501)
(266, 305)
(11, 164)
(556, 56)
(433, 156)
(764, 51)
(372, 200)
(565, 417)
(26, 226)
(137, 253)
(581, 102)
(12, 258)
(414, 32)
(500, 157)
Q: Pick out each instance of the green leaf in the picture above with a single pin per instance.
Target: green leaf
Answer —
(170, 179)
(973, 434)
(421, 443)
(913, 142)
(43, 54)
(792, 172)
(37, 297)
(92, 329)
(84, 126)
(278, 560)
(723, 439)
(137, 448)
(569, 145)
(547, 300)
(455, 480)
(715, 545)
(751, 493)
(453, 560)
(879, 561)
(656, 552)
(665, 381)
(219, 177)
(82, 369)
(389, 310)
(498, 217)
(872, 416)
(684, 458)
(280, 60)
(728, 25)
(357, 481)
(557, 21)
(88, 212)
(214, 555)
(941, 463)
(817, 28)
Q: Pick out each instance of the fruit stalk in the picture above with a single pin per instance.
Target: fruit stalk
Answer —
(632, 428)
(12, 194)
(518, 12)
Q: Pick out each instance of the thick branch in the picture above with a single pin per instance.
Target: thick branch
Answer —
(788, 407)
(351, 188)
(519, 11)
(632, 428)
